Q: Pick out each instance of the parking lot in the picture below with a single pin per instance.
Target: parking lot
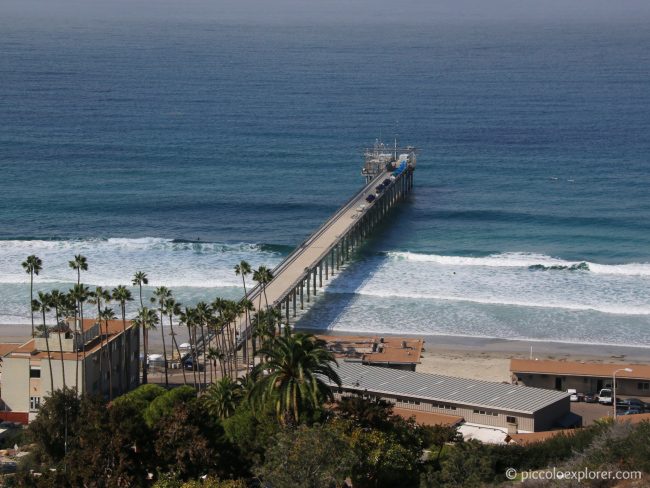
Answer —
(590, 412)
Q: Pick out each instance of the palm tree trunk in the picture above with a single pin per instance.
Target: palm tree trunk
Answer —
(175, 345)
(145, 345)
(144, 342)
(62, 361)
(222, 366)
(110, 363)
(83, 348)
(195, 360)
(192, 340)
(125, 364)
(47, 347)
(31, 298)
(205, 353)
(101, 349)
(227, 333)
(265, 297)
(211, 370)
(245, 345)
(56, 314)
(76, 351)
(162, 333)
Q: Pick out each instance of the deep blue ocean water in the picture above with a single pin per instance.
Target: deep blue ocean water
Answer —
(181, 147)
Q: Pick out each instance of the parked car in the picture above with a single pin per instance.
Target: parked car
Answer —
(387, 181)
(370, 198)
(591, 398)
(628, 411)
(605, 396)
(189, 364)
(574, 394)
(633, 403)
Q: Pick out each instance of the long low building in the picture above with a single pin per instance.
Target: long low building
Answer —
(583, 377)
(510, 407)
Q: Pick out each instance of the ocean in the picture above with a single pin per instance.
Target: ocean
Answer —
(180, 147)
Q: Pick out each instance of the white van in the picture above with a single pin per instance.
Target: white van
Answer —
(605, 396)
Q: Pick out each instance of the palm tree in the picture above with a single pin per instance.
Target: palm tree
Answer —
(96, 298)
(32, 266)
(247, 383)
(80, 294)
(263, 276)
(263, 327)
(122, 294)
(79, 263)
(223, 397)
(43, 305)
(215, 355)
(160, 295)
(106, 315)
(244, 269)
(188, 318)
(292, 378)
(248, 307)
(145, 320)
(139, 279)
(172, 307)
(57, 300)
(214, 326)
(203, 313)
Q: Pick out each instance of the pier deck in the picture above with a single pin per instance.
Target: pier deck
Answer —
(298, 277)
(290, 273)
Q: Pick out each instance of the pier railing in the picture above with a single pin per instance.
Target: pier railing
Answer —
(254, 292)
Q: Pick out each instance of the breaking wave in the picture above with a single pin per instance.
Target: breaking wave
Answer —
(532, 261)
(112, 261)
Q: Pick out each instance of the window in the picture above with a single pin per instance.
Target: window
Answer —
(34, 403)
(444, 406)
(643, 385)
(408, 401)
(511, 420)
(34, 372)
(486, 412)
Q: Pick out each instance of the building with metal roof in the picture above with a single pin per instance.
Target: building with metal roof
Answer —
(631, 379)
(485, 403)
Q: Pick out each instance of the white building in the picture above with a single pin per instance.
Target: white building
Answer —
(29, 374)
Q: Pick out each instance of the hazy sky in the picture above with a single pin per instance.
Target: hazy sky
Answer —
(352, 11)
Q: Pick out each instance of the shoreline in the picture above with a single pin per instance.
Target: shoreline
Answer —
(438, 343)
(478, 358)
(488, 359)
(513, 347)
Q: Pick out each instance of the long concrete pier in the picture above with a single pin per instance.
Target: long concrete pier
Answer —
(297, 279)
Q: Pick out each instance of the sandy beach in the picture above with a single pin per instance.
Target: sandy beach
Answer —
(489, 359)
(468, 357)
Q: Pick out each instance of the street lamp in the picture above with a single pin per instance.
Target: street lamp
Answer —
(627, 370)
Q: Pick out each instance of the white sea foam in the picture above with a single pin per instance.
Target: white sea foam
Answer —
(613, 309)
(113, 261)
(512, 279)
(525, 260)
